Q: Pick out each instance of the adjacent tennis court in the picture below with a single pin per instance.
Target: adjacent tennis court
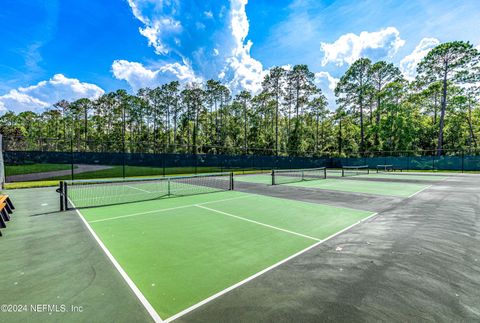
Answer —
(340, 184)
(180, 251)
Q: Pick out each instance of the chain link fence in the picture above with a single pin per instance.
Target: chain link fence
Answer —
(43, 159)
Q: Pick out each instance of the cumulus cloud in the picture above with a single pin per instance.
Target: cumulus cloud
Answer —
(18, 102)
(160, 24)
(138, 76)
(331, 81)
(46, 93)
(213, 45)
(247, 72)
(327, 83)
(408, 64)
(350, 47)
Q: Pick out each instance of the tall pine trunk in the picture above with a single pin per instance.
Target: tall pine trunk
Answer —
(442, 112)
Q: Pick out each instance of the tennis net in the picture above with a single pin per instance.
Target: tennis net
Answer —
(91, 193)
(355, 170)
(285, 176)
(384, 168)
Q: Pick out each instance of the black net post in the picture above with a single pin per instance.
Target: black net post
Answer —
(231, 181)
(65, 195)
(273, 177)
(60, 192)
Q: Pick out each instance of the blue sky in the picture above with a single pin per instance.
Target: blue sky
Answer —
(54, 50)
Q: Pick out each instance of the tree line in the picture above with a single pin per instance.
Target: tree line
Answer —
(378, 109)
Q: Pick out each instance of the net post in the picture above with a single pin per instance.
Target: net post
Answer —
(343, 172)
(273, 177)
(168, 187)
(65, 195)
(60, 191)
(231, 181)
(325, 173)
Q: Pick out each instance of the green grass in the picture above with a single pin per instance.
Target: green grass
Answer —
(17, 185)
(34, 168)
(178, 253)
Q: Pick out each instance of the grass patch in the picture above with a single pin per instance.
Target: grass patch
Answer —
(11, 186)
(34, 168)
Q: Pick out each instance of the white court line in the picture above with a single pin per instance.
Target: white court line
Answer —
(122, 272)
(136, 188)
(246, 280)
(423, 189)
(256, 222)
(164, 210)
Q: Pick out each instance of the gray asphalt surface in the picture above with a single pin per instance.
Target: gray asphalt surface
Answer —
(418, 260)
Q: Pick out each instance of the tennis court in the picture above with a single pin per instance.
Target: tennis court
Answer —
(344, 184)
(180, 251)
(216, 247)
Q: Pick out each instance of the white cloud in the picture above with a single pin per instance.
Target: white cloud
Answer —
(19, 102)
(208, 14)
(247, 72)
(408, 64)
(191, 45)
(160, 25)
(350, 47)
(138, 76)
(46, 93)
(327, 83)
(332, 81)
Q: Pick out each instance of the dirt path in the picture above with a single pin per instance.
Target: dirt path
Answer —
(80, 168)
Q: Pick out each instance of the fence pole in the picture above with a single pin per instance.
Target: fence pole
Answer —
(72, 159)
(123, 163)
(463, 157)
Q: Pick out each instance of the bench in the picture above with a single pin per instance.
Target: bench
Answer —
(6, 208)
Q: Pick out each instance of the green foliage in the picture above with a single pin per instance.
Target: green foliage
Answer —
(377, 109)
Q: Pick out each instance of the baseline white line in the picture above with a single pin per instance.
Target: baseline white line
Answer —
(164, 210)
(122, 272)
(256, 222)
(136, 188)
(423, 189)
(248, 279)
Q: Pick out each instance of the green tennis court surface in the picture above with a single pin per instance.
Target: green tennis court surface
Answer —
(258, 179)
(379, 188)
(345, 185)
(180, 251)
